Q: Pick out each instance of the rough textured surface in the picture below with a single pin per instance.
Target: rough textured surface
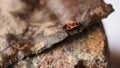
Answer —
(70, 10)
(83, 11)
(28, 27)
(84, 50)
(23, 34)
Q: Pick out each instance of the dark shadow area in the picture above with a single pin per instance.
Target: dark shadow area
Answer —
(114, 60)
(80, 64)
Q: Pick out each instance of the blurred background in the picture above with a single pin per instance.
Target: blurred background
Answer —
(112, 28)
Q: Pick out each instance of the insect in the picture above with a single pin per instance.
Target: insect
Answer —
(73, 24)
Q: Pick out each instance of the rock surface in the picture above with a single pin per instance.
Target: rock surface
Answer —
(84, 50)
(29, 27)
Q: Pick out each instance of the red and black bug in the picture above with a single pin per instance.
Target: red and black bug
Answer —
(73, 24)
